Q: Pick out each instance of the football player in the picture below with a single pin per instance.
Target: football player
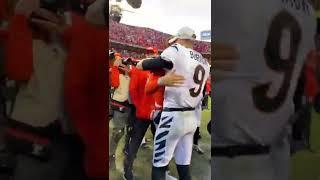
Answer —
(155, 86)
(145, 109)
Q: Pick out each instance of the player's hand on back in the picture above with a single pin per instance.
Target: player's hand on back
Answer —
(171, 79)
(225, 58)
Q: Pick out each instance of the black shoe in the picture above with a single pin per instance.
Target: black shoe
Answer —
(112, 162)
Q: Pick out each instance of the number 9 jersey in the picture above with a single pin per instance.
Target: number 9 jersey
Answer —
(273, 37)
(194, 68)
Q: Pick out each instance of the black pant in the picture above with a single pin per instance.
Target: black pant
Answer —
(129, 128)
(140, 128)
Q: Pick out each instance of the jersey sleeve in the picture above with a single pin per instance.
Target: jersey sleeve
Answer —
(134, 86)
(170, 54)
(19, 66)
(156, 64)
(114, 77)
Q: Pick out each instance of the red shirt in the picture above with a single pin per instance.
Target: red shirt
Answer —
(152, 88)
(143, 102)
(3, 11)
(19, 65)
(114, 77)
(86, 95)
(311, 67)
(208, 87)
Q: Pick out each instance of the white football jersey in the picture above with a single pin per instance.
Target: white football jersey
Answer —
(194, 68)
(273, 37)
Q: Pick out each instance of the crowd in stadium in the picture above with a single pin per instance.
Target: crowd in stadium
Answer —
(132, 54)
(146, 37)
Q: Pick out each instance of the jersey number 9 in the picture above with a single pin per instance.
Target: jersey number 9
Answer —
(275, 62)
(199, 71)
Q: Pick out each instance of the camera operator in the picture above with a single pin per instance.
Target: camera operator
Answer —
(119, 80)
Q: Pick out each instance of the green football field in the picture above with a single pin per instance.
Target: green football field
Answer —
(305, 165)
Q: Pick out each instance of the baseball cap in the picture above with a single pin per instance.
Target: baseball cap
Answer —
(184, 33)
